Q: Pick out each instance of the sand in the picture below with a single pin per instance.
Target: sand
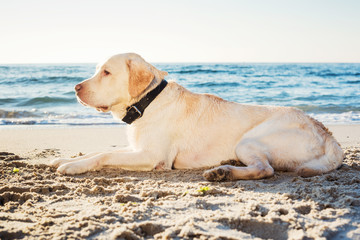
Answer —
(38, 203)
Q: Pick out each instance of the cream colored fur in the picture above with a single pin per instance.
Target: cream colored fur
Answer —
(185, 130)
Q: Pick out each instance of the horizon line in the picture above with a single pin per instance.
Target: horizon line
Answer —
(191, 62)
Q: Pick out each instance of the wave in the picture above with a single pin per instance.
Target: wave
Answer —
(41, 80)
(8, 100)
(330, 108)
(17, 114)
(338, 118)
(353, 82)
(216, 84)
(66, 78)
(45, 100)
(43, 118)
(201, 71)
(332, 74)
(70, 93)
(312, 98)
(36, 117)
(67, 122)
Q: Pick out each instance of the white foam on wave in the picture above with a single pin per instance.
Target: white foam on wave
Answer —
(338, 118)
(67, 121)
(326, 118)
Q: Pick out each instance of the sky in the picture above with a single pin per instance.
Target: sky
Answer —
(81, 31)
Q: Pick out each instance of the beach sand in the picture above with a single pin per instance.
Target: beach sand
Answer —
(38, 203)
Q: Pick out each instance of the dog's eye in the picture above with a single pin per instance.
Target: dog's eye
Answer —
(106, 72)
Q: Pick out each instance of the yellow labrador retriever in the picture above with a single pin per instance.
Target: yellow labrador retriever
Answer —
(171, 127)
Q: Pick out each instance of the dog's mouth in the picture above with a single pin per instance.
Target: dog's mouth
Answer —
(98, 108)
(82, 102)
(103, 108)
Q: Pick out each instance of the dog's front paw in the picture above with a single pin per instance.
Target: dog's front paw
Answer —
(71, 168)
(222, 173)
(58, 161)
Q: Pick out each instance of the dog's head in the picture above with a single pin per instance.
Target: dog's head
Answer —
(119, 80)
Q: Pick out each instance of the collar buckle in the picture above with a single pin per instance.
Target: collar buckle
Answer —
(136, 110)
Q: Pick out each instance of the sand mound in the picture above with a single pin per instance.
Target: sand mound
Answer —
(36, 202)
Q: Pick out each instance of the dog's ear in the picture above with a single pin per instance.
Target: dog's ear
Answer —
(163, 74)
(140, 77)
(160, 74)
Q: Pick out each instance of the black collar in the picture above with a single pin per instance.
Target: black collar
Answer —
(136, 110)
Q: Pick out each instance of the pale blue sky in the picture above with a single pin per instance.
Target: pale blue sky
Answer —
(41, 31)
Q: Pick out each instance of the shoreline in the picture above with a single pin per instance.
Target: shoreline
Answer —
(71, 140)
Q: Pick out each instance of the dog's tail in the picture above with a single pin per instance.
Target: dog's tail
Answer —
(330, 160)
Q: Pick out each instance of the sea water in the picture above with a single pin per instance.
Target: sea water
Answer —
(43, 94)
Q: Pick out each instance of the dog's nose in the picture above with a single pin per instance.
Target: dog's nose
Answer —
(78, 87)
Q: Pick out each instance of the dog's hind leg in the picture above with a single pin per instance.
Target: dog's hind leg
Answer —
(330, 160)
(313, 167)
(319, 165)
(250, 152)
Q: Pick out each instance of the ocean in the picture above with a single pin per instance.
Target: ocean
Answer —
(43, 94)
